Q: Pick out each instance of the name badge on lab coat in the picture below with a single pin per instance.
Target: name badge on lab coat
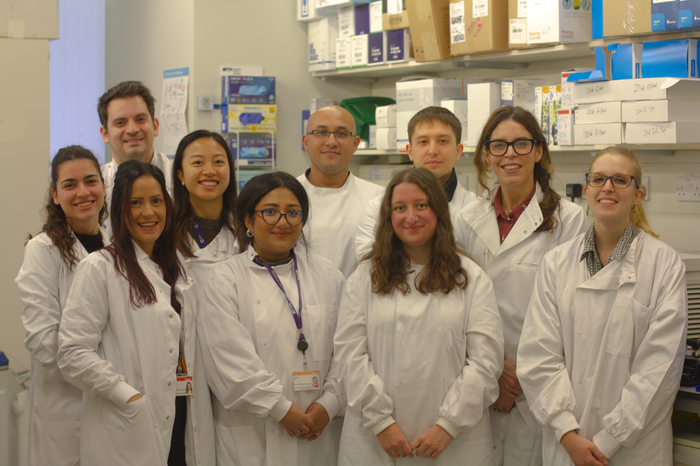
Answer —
(184, 385)
(310, 380)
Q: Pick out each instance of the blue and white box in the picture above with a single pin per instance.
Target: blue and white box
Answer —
(322, 35)
(362, 19)
(626, 62)
(253, 151)
(664, 15)
(248, 89)
(670, 59)
(377, 48)
(689, 14)
(398, 44)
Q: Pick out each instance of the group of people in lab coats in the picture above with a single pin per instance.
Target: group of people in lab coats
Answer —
(507, 331)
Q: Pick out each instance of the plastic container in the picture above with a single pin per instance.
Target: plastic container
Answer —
(363, 109)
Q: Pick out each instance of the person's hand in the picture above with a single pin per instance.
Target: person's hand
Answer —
(432, 442)
(135, 397)
(319, 415)
(582, 451)
(508, 382)
(394, 442)
(297, 423)
(505, 402)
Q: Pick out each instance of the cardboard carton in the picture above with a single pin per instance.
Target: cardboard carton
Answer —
(430, 29)
(322, 36)
(558, 21)
(460, 108)
(394, 15)
(484, 99)
(670, 59)
(343, 53)
(604, 133)
(689, 14)
(662, 133)
(478, 26)
(517, 24)
(664, 15)
(385, 116)
(661, 111)
(360, 50)
(377, 48)
(604, 112)
(626, 17)
(375, 16)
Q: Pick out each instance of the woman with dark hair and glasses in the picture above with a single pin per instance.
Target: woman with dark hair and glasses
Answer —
(266, 330)
(75, 209)
(508, 233)
(120, 334)
(603, 344)
(204, 199)
(419, 342)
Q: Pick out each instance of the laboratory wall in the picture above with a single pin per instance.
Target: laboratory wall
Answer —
(24, 147)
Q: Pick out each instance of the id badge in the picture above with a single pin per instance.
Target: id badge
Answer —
(184, 385)
(310, 380)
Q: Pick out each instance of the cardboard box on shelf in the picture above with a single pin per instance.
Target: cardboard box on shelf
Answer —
(626, 17)
(360, 50)
(362, 19)
(557, 21)
(664, 15)
(386, 138)
(670, 59)
(317, 102)
(251, 118)
(398, 46)
(603, 133)
(343, 53)
(416, 94)
(375, 16)
(460, 108)
(689, 14)
(565, 127)
(478, 26)
(385, 116)
(322, 35)
(661, 111)
(346, 21)
(372, 141)
(253, 151)
(671, 132)
(306, 11)
(517, 24)
(567, 88)
(519, 93)
(377, 48)
(484, 99)
(554, 107)
(394, 15)
(430, 29)
(626, 61)
(248, 89)
(604, 112)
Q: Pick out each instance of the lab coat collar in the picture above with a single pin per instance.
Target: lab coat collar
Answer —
(216, 250)
(617, 273)
(349, 182)
(80, 250)
(251, 254)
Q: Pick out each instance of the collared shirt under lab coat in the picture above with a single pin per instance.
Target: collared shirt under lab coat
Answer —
(367, 225)
(54, 416)
(113, 351)
(335, 213)
(418, 360)
(248, 341)
(604, 354)
(199, 432)
(512, 267)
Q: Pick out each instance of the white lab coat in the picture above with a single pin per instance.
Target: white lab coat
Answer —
(113, 351)
(367, 226)
(604, 354)
(418, 360)
(335, 213)
(54, 416)
(248, 341)
(199, 432)
(512, 267)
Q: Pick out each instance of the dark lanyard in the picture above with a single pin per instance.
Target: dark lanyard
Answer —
(202, 243)
(302, 344)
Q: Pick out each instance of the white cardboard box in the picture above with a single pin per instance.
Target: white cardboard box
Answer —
(343, 53)
(306, 11)
(318, 102)
(460, 108)
(346, 21)
(386, 138)
(322, 36)
(603, 112)
(550, 21)
(385, 116)
(372, 143)
(565, 127)
(519, 93)
(484, 99)
(662, 133)
(637, 89)
(661, 111)
(604, 133)
(360, 50)
(417, 94)
(375, 17)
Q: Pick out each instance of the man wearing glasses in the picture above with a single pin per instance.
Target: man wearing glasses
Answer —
(337, 197)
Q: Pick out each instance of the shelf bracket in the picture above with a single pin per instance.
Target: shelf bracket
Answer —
(496, 65)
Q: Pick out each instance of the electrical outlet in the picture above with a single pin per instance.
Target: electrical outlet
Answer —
(688, 188)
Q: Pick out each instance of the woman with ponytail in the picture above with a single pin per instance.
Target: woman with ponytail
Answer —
(75, 210)
(508, 233)
(120, 336)
(603, 343)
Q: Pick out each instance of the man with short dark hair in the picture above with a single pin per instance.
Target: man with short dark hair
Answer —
(129, 125)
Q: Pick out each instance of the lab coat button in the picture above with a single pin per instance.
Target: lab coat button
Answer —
(494, 447)
(579, 382)
(195, 429)
(258, 301)
(167, 418)
(580, 332)
(171, 350)
(272, 430)
(171, 316)
(169, 384)
(265, 343)
(503, 441)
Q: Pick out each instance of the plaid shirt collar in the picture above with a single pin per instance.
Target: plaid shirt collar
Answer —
(590, 253)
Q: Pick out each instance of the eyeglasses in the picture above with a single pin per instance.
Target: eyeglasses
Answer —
(340, 135)
(520, 146)
(618, 181)
(273, 216)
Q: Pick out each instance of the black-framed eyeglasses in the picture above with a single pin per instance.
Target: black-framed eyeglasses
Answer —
(619, 180)
(520, 146)
(273, 216)
(340, 135)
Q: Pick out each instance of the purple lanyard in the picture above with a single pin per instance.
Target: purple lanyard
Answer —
(302, 345)
(202, 243)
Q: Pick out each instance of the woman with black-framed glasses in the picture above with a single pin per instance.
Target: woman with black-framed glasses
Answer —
(603, 344)
(507, 233)
(266, 331)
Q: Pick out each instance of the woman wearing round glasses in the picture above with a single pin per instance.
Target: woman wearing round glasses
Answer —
(507, 234)
(603, 344)
(266, 330)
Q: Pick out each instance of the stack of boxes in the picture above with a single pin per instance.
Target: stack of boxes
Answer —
(483, 100)
(385, 128)
(248, 104)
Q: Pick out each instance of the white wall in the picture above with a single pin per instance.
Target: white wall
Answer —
(24, 139)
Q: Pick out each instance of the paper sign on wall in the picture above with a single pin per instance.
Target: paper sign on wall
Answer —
(172, 113)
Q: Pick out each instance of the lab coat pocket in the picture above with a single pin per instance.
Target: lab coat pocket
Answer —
(622, 324)
(239, 446)
(321, 320)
